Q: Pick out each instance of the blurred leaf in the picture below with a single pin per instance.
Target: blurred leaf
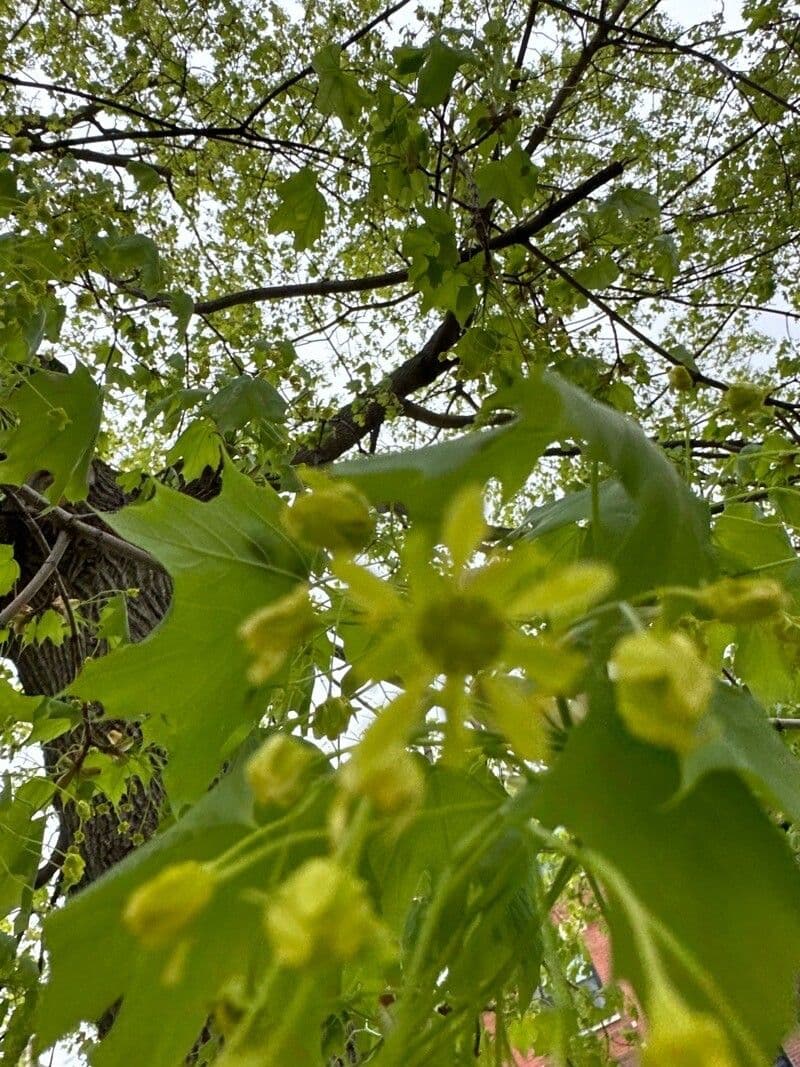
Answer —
(704, 865)
(743, 740)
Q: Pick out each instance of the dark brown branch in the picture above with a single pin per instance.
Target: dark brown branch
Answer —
(330, 286)
(26, 595)
(444, 420)
(571, 82)
(354, 421)
(675, 46)
(69, 522)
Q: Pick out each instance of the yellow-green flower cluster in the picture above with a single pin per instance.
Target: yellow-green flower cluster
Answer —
(461, 622)
(320, 915)
(160, 910)
(663, 688)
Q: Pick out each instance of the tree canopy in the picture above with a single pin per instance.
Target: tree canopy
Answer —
(400, 503)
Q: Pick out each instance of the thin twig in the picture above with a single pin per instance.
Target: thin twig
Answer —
(23, 598)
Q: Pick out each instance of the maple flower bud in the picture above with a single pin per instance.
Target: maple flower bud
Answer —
(331, 717)
(681, 380)
(336, 517)
(390, 779)
(663, 688)
(160, 909)
(682, 1036)
(744, 599)
(274, 631)
(743, 398)
(278, 772)
(461, 633)
(320, 914)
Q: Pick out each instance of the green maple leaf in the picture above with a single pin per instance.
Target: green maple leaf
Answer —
(58, 418)
(9, 569)
(199, 446)
(244, 400)
(680, 858)
(227, 558)
(511, 179)
(339, 93)
(436, 77)
(301, 210)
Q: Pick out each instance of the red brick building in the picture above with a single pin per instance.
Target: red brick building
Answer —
(618, 1032)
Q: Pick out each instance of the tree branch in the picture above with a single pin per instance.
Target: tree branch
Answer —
(331, 286)
(26, 595)
(293, 79)
(69, 522)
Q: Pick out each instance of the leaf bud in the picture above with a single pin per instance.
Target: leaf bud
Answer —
(160, 909)
(741, 600)
(331, 718)
(663, 688)
(336, 517)
(278, 772)
(274, 631)
(680, 379)
(320, 915)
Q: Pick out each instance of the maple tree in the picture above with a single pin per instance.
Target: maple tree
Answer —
(399, 529)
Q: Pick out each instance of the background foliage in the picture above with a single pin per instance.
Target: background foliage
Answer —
(400, 461)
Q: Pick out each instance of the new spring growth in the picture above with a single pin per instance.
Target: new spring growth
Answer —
(321, 914)
(743, 398)
(680, 379)
(679, 1035)
(331, 718)
(334, 515)
(389, 777)
(278, 772)
(742, 600)
(158, 911)
(663, 688)
(275, 631)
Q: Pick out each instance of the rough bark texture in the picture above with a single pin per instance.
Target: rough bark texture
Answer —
(87, 574)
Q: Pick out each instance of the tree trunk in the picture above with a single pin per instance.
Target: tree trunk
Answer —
(87, 574)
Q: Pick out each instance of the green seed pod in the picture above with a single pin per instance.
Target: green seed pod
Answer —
(331, 718)
(742, 600)
(320, 915)
(274, 631)
(461, 634)
(337, 518)
(663, 688)
(743, 398)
